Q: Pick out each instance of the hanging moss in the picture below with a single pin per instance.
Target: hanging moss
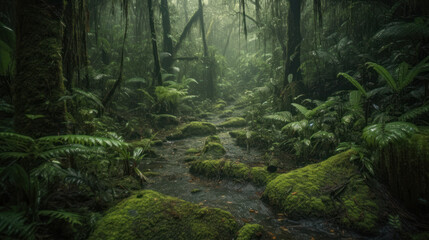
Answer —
(329, 188)
(232, 170)
(150, 215)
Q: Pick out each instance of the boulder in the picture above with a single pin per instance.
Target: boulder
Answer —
(152, 215)
(332, 188)
(234, 122)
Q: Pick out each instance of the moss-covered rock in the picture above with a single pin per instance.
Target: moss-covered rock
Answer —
(329, 188)
(226, 113)
(213, 148)
(192, 151)
(151, 215)
(163, 120)
(250, 231)
(234, 122)
(220, 105)
(232, 170)
(194, 129)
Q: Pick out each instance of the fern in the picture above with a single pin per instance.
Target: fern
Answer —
(354, 82)
(323, 135)
(414, 113)
(280, 116)
(381, 135)
(88, 95)
(296, 126)
(69, 217)
(303, 110)
(84, 140)
(13, 224)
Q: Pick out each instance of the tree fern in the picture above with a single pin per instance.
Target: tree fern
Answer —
(414, 113)
(381, 134)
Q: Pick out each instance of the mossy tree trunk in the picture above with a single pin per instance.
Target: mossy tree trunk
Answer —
(39, 82)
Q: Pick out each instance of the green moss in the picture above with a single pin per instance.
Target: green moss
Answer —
(232, 170)
(195, 190)
(127, 182)
(213, 147)
(151, 215)
(234, 122)
(193, 129)
(220, 105)
(143, 143)
(151, 174)
(329, 188)
(237, 133)
(192, 151)
(226, 113)
(163, 120)
(250, 231)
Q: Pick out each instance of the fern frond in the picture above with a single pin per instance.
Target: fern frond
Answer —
(136, 80)
(13, 224)
(69, 217)
(414, 113)
(90, 96)
(280, 116)
(355, 83)
(403, 31)
(8, 136)
(48, 171)
(68, 150)
(414, 72)
(381, 135)
(385, 75)
(323, 135)
(14, 155)
(300, 108)
(84, 140)
(354, 98)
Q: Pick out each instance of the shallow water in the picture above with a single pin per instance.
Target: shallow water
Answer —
(242, 200)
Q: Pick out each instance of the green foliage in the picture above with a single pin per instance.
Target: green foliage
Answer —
(404, 75)
(381, 135)
(355, 83)
(283, 117)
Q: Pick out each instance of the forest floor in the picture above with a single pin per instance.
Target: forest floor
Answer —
(241, 199)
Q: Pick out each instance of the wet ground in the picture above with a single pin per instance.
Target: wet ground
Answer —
(242, 200)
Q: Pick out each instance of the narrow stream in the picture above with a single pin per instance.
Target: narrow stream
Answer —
(242, 200)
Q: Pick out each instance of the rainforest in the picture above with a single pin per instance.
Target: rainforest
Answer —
(214, 119)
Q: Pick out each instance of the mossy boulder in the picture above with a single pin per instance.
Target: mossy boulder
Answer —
(163, 120)
(194, 129)
(152, 215)
(329, 188)
(192, 151)
(220, 105)
(233, 170)
(234, 122)
(213, 147)
(250, 231)
(226, 113)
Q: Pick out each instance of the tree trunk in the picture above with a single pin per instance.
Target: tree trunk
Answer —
(157, 80)
(209, 66)
(293, 45)
(166, 62)
(39, 82)
(118, 82)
